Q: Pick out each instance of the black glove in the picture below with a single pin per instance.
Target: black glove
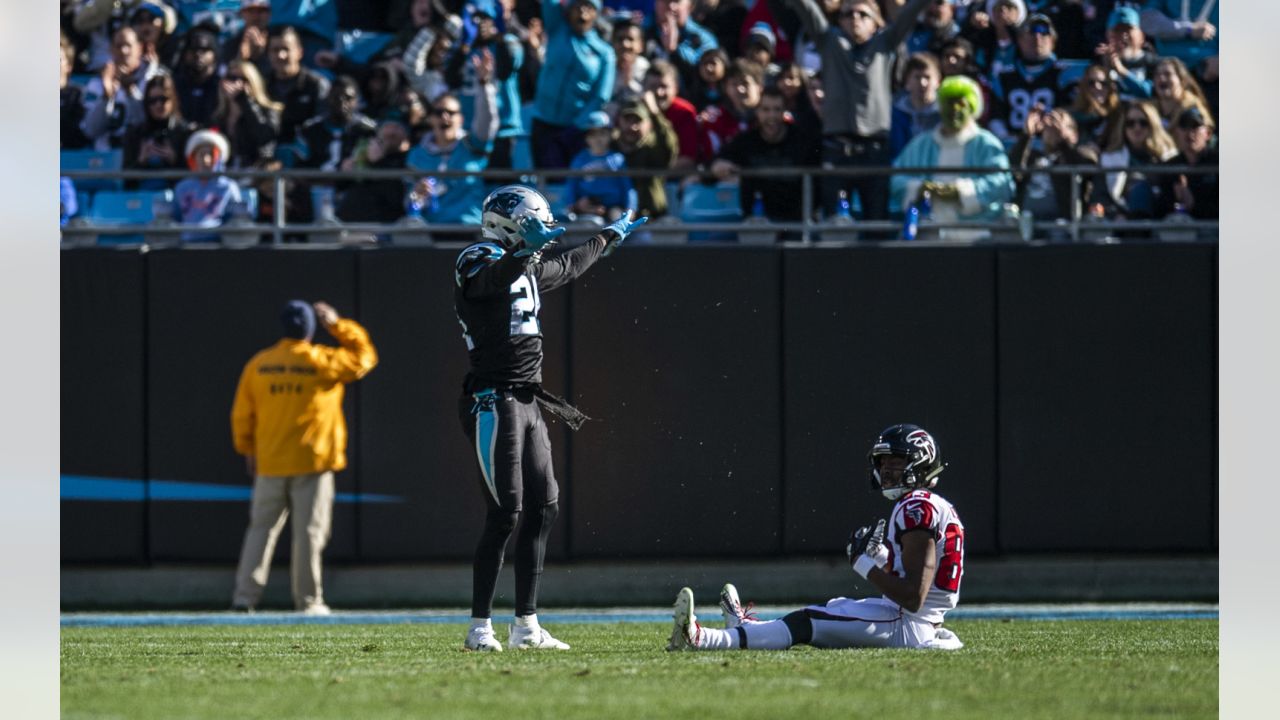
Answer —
(866, 548)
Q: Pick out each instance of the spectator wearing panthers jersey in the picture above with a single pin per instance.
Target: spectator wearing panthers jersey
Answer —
(915, 559)
(663, 81)
(379, 200)
(1058, 143)
(674, 36)
(451, 147)
(937, 25)
(916, 108)
(1125, 55)
(858, 53)
(605, 197)
(724, 120)
(1033, 80)
(1096, 104)
(957, 142)
(774, 142)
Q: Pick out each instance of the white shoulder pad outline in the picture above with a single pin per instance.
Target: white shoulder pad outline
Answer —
(474, 258)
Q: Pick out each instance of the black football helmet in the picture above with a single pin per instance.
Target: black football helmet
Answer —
(917, 446)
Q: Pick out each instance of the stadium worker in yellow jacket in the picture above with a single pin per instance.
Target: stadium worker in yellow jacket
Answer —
(287, 422)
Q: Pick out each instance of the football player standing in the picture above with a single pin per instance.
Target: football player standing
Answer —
(497, 295)
(918, 570)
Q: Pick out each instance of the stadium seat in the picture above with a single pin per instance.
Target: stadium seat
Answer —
(711, 203)
(84, 201)
(555, 193)
(72, 160)
(673, 197)
(360, 45)
(112, 207)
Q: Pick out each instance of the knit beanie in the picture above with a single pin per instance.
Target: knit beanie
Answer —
(299, 320)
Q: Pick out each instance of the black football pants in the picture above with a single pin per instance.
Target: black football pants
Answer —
(513, 450)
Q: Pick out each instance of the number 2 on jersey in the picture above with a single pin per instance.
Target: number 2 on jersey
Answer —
(525, 305)
(951, 567)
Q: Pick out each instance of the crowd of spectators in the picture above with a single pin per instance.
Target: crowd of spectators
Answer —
(704, 88)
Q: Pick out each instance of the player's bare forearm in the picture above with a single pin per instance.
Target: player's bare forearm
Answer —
(909, 592)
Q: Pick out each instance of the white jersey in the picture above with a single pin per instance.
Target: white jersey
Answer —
(923, 509)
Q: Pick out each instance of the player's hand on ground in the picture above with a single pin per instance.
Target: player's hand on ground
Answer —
(866, 548)
(325, 313)
(537, 235)
(622, 227)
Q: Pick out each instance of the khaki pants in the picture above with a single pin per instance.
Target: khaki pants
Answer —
(310, 499)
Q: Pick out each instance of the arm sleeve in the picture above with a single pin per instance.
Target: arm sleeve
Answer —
(95, 121)
(244, 416)
(415, 56)
(991, 188)
(667, 144)
(811, 18)
(905, 22)
(1158, 25)
(355, 358)
(1129, 84)
(563, 268)
(484, 121)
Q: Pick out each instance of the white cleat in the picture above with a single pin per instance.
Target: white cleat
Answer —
(316, 609)
(533, 638)
(482, 639)
(685, 630)
(731, 607)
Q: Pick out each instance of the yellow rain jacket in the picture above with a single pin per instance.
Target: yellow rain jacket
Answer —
(288, 407)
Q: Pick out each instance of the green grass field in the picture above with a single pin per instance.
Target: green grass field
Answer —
(1016, 669)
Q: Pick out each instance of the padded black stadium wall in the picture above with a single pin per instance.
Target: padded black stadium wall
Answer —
(735, 391)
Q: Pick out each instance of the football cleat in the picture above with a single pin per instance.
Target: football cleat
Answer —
(316, 609)
(731, 607)
(685, 629)
(482, 639)
(533, 638)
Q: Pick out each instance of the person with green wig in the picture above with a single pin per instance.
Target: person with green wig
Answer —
(957, 143)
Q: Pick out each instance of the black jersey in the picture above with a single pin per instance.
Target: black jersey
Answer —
(497, 296)
(1018, 90)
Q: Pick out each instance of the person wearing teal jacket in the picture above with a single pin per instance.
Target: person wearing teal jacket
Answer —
(576, 80)
(957, 143)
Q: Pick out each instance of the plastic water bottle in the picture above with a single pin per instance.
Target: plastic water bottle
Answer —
(926, 205)
(842, 219)
(1179, 216)
(844, 216)
(757, 217)
(414, 226)
(911, 223)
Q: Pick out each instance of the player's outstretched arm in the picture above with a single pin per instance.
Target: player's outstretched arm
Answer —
(565, 267)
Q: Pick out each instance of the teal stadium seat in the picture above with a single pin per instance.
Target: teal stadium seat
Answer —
(72, 160)
(557, 197)
(711, 203)
(117, 207)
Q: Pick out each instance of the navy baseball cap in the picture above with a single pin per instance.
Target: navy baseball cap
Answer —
(298, 319)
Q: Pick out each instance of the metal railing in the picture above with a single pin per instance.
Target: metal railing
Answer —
(1076, 228)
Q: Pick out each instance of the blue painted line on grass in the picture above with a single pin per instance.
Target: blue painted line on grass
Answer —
(437, 618)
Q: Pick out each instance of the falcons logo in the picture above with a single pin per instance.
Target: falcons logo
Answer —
(924, 441)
